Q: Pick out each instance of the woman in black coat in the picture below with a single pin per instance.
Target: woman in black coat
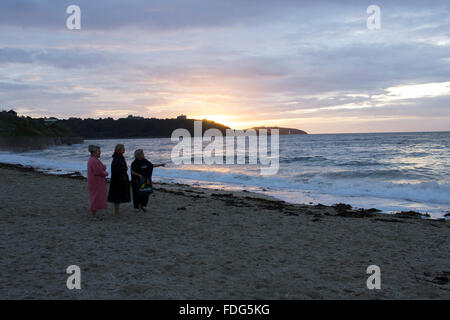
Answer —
(119, 185)
(141, 169)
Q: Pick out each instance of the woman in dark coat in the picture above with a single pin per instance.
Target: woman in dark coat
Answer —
(119, 185)
(141, 169)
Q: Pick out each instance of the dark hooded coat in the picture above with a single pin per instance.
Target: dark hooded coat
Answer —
(144, 168)
(119, 185)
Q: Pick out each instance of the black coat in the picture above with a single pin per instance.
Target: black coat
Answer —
(119, 185)
(144, 168)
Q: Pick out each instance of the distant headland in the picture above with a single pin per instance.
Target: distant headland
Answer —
(140, 127)
(18, 133)
(282, 131)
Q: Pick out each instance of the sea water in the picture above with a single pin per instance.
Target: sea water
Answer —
(388, 171)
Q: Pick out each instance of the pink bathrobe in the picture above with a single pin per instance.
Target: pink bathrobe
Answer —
(97, 184)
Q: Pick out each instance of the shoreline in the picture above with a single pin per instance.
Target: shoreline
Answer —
(342, 209)
(197, 243)
(358, 182)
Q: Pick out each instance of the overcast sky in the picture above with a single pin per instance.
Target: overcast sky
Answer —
(312, 65)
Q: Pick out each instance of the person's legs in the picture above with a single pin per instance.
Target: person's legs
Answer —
(93, 214)
(144, 203)
(135, 198)
(116, 209)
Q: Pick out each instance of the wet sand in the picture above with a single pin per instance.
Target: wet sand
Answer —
(207, 244)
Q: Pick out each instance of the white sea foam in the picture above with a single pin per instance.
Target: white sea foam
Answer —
(363, 170)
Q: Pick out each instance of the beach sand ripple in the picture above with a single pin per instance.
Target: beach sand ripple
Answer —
(208, 244)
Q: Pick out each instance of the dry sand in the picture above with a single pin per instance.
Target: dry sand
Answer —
(207, 244)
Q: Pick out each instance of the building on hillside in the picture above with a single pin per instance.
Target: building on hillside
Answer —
(50, 120)
(135, 118)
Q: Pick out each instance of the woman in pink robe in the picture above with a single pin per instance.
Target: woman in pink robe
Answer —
(96, 181)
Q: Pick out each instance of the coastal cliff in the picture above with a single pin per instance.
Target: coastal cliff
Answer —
(20, 134)
(20, 144)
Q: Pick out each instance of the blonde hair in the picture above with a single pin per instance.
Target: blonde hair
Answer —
(93, 148)
(138, 152)
(119, 147)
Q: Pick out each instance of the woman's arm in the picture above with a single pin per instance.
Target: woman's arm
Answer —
(159, 165)
(134, 173)
(99, 171)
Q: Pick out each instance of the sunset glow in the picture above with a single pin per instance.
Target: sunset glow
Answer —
(306, 66)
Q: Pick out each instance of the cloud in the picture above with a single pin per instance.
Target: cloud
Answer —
(154, 15)
(64, 59)
(415, 91)
(167, 15)
(263, 59)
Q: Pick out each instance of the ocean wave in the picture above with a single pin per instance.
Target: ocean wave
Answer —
(303, 159)
(428, 192)
(432, 192)
(364, 169)
(358, 163)
(373, 173)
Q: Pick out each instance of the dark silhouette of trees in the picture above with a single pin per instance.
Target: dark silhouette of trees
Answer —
(133, 127)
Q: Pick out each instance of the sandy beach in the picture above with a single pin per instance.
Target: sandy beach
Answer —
(208, 244)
